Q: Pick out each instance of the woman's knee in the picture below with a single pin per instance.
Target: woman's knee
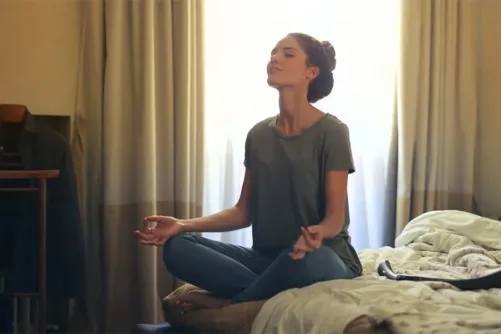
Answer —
(173, 250)
(323, 264)
(328, 265)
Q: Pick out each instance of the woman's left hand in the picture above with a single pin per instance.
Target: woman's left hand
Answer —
(311, 238)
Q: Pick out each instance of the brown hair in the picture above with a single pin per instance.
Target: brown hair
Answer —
(322, 55)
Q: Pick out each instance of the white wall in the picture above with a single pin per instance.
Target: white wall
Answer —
(39, 54)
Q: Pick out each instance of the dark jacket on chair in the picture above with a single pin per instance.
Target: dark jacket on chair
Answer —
(41, 147)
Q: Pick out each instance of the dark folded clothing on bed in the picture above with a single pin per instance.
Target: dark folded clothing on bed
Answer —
(492, 281)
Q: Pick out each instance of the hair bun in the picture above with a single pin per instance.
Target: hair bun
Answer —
(330, 52)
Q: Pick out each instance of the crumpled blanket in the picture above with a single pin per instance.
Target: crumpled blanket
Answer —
(448, 244)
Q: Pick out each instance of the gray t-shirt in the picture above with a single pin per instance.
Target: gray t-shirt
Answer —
(288, 182)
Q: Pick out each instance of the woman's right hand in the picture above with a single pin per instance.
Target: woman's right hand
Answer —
(158, 229)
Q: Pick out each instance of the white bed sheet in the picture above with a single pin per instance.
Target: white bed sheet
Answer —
(449, 244)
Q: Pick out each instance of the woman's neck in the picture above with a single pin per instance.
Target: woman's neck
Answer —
(294, 110)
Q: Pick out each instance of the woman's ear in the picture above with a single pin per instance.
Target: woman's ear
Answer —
(312, 72)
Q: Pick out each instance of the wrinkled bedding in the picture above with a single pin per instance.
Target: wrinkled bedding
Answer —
(236, 318)
(448, 244)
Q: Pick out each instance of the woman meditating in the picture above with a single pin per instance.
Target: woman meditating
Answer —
(293, 194)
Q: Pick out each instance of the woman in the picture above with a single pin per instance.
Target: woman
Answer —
(294, 195)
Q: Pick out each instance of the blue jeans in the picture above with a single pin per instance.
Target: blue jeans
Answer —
(244, 274)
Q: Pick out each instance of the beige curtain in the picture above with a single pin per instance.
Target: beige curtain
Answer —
(437, 108)
(137, 146)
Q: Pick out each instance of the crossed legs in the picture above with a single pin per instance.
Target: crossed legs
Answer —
(235, 274)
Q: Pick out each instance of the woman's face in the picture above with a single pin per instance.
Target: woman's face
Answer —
(288, 65)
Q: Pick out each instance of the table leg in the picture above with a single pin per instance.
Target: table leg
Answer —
(42, 215)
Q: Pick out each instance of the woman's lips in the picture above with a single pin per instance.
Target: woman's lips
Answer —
(274, 70)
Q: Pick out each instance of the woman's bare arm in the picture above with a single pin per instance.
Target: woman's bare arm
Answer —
(234, 218)
(335, 195)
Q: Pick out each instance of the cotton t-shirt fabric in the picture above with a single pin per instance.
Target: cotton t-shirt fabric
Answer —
(288, 183)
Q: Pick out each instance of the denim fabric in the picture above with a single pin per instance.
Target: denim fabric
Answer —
(245, 274)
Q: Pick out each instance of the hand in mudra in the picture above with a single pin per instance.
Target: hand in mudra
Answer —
(158, 229)
(310, 239)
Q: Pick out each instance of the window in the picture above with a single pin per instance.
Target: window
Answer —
(239, 37)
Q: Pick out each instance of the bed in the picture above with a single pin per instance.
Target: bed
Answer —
(448, 244)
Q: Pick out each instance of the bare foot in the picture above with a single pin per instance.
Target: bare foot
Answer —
(200, 300)
(177, 303)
